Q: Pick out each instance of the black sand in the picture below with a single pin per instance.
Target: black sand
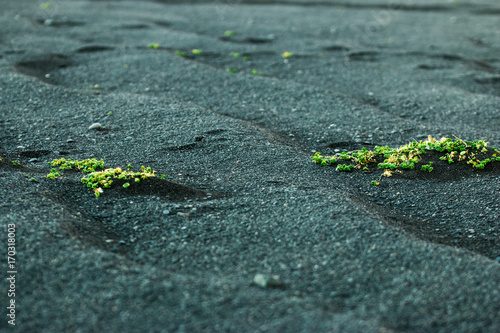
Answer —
(419, 253)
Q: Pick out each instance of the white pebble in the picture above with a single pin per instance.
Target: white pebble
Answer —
(95, 126)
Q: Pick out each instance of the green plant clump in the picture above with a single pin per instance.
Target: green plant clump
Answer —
(427, 167)
(30, 179)
(54, 173)
(344, 167)
(97, 180)
(88, 165)
(103, 179)
(408, 156)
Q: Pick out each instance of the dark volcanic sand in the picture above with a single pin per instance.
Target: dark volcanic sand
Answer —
(419, 253)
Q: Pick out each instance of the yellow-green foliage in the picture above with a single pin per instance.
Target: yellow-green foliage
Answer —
(97, 180)
(88, 165)
(407, 156)
(103, 179)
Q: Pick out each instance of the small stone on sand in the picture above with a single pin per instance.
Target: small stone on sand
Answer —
(268, 281)
(95, 126)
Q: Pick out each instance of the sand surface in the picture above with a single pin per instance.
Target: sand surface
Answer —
(233, 127)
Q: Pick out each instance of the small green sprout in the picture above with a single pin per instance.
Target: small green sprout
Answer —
(110, 113)
(126, 185)
(427, 167)
(53, 174)
(407, 164)
(153, 46)
(30, 179)
(344, 167)
(235, 54)
(228, 33)
(317, 157)
(163, 176)
(129, 167)
(345, 156)
(46, 5)
(180, 53)
(16, 163)
(286, 55)
(196, 51)
(229, 70)
(95, 86)
(255, 72)
(246, 58)
(375, 183)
